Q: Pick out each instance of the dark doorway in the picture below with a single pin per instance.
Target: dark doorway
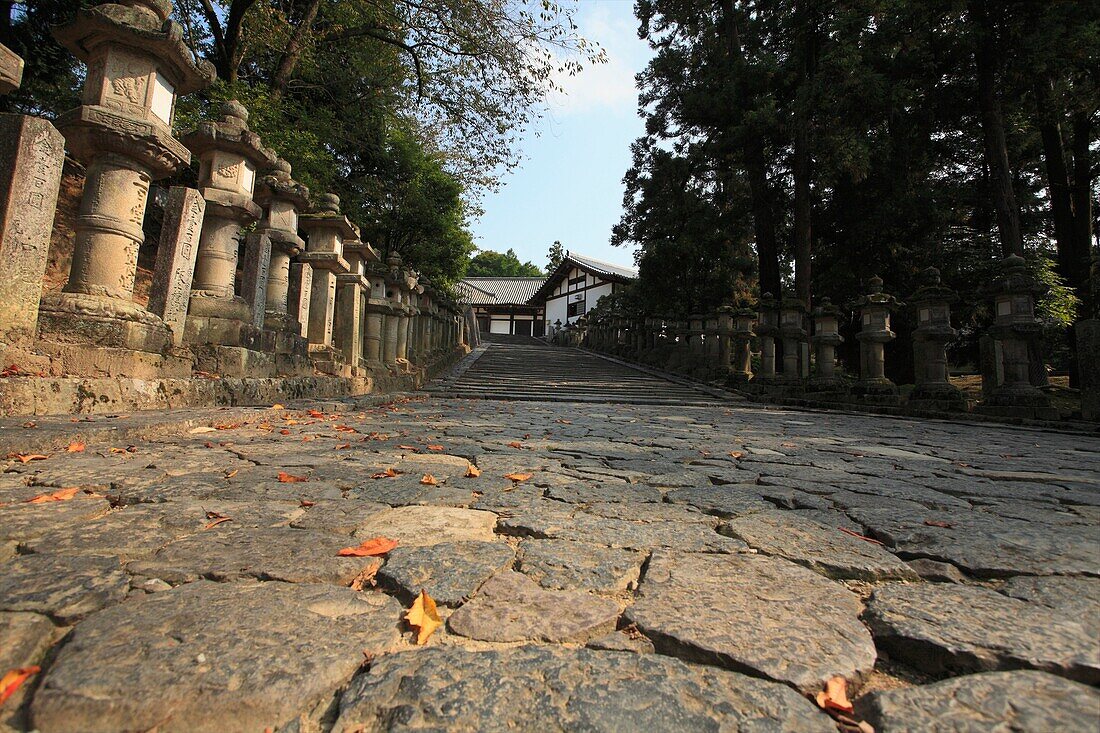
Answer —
(523, 328)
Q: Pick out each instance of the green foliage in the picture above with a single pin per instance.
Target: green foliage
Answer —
(555, 256)
(494, 264)
(1058, 304)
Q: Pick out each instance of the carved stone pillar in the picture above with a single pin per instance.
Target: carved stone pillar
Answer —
(875, 308)
(932, 303)
(326, 229)
(352, 289)
(137, 64)
(767, 328)
(377, 310)
(282, 200)
(825, 340)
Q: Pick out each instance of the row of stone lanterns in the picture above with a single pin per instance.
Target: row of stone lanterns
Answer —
(294, 305)
(719, 346)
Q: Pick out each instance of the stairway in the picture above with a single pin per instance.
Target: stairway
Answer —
(530, 370)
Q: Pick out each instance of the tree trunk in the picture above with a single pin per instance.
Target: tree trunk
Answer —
(803, 120)
(987, 58)
(294, 49)
(1082, 214)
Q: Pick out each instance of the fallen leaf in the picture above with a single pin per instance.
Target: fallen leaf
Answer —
(515, 444)
(472, 471)
(736, 454)
(231, 474)
(315, 413)
(435, 447)
(227, 425)
(204, 429)
(938, 523)
(835, 695)
(563, 421)
(27, 457)
(787, 445)
(30, 424)
(424, 616)
(408, 447)
(76, 447)
(429, 480)
(342, 446)
(388, 473)
(277, 406)
(344, 429)
(374, 547)
(517, 477)
(307, 438)
(286, 478)
(59, 495)
(217, 521)
(365, 577)
(12, 679)
(857, 535)
(284, 431)
(306, 503)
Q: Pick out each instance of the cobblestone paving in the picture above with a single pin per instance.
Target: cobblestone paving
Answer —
(663, 568)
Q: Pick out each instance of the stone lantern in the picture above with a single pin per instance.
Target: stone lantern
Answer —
(767, 328)
(825, 339)
(351, 286)
(282, 199)
(1014, 327)
(11, 70)
(932, 302)
(137, 64)
(792, 329)
(741, 348)
(327, 229)
(408, 313)
(395, 280)
(875, 308)
(426, 306)
(230, 155)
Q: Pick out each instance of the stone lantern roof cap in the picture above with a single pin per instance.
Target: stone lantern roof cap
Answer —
(792, 303)
(230, 134)
(1015, 278)
(144, 26)
(363, 249)
(275, 182)
(327, 214)
(826, 307)
(768, 302)
(932, 289)
(876, 298)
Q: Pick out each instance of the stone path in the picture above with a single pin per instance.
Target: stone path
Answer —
(527, 369)
(664, 568)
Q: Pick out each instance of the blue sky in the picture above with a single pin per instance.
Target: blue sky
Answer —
(569, 186)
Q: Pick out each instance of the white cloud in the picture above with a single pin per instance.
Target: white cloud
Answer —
(610, 23)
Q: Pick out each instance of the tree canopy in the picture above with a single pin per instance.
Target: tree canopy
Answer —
(494, 264)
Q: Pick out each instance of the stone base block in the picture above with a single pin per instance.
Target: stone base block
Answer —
(882, 392)
(201, 330)
(86, 360)
(937, 397)
(87, 319)
(234, 361)
(290, 365)
(55, 396)
(1024, 402)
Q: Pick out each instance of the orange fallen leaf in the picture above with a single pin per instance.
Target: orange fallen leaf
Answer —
(938, 523)
(127, 449)
(787, 445)
(388, 473)
(27, 457)
(12, 679)
(217, 521)
(374, 547)
(284, 431)
(277, 406)
(315, 413)
(307, 438)
(231, 474)
(472, 471)
(835, 695)
(59, 495)
(76, 447)
(286, 478)
(306, 503)
(365, 577)
(515, 444)
(424, 616)
(435, 447)
(342, 446)
(407, 447)
(429, 480)
(736, 454)
(344, 429)
(518, 476)
(857, 535)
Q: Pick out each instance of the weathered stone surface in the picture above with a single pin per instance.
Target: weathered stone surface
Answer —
(417, 526)
(128, 533)
(213, 657)
(992, 701)
(732, 500)
(751, 612)
(584, 493)
(271, 553)
(511, 607)
(622, 641)
(826, 550)
(936, 572)
(449, 571)
(175, 265)
(1076, 598)
(22, 522)
(64, 588)
(562, 564)
(342, 516)
(24, 639)
(954, 629)
(555, 689)
(406, 490)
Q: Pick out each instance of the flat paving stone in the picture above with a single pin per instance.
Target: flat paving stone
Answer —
(342, 516)
(213, 657)
(753, 613)
(448, 571)
(417, 526)
(733, 500)
(24, 638)
(128, 533)
(583, 493)
(992, 701)
(64, 588)
(555, 689)
(566, 565)
(1074, 597)
(223, 553)
(825, 550)
(406, 490)
(512, 607)
(941, 628)
(583, 527)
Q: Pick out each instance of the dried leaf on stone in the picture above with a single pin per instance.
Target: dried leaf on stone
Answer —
(201, 429)
(306, 503)
(787, 445)
(413, 448)
(216, 519)
(515, 444)
(374, 547)
(315, 413)
(12, 679)
(76, 447)
(518, 477)
(424, 616)
(736, 454)
(277, 406)
(286, 478)
(365, 577)
(858, 536)
(59, 495)
(27, 457)
(231, 474)
(435, 447)
(429, 480)
(938, 523)
(835, 695)
(342, 446)
(472, 471)
(284, 431)
(388, 473)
